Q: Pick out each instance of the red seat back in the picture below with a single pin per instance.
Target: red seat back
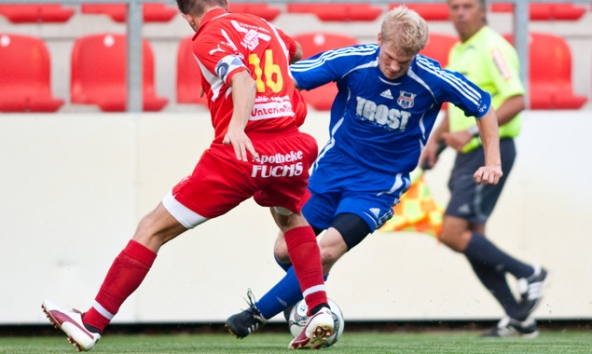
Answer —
(550, 79)
(316, 42)
(338, 11)
(36, 13)
(546, 11)
(430, 12)
(259, 9)
(155, 12)
(99, 73)
(322, 97)
(188, 75)
(438, 47)
(25, 75)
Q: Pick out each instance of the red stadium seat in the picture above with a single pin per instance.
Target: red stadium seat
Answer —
(430, 12)
(25, 75)
(338, 11)
(99, 73)
(156, 12)
(546, 11)
(550, 78)
(259, 9)
(322, 97)
(438, 47)
(316, 42)
(188, 75)
(36, 13)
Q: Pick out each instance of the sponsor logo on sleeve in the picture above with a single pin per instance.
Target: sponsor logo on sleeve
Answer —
(501, 65)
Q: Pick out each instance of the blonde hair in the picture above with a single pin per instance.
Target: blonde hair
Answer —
(404, 29)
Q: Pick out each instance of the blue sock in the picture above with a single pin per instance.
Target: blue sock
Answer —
(284, 294)
(483, 252)
(497, 285)
(285, 266)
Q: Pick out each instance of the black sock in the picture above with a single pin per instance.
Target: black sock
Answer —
(481, 251)
(318, 308)
(90, 328)
(497, 285)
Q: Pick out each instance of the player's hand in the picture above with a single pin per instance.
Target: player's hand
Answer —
(241, 144)
(490, 174)
(457, 140)
(429, 155)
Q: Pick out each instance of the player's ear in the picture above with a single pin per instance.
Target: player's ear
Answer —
(379, 38)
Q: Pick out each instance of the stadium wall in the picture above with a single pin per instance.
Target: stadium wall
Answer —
(74, 186)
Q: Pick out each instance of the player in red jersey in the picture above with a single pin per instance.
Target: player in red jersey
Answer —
(257, 152)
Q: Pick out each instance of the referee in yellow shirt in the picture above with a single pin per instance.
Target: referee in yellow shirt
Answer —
(489, 61)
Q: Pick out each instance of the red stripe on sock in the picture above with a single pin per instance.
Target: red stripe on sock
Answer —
(125, 275)
(306, 260)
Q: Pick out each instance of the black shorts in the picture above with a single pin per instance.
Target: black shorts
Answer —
(471, 201)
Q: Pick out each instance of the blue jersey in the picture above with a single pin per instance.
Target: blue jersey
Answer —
(384, 124)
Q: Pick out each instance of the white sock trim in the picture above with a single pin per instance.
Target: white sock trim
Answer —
(100, 309)
(314, 289)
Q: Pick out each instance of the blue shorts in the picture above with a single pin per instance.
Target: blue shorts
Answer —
(338, 185)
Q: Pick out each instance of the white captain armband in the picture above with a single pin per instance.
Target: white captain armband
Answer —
(227, 65)
(473, 130)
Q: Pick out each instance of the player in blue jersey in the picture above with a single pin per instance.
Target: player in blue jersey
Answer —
(387, 102)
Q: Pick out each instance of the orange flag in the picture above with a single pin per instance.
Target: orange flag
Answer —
(417, 210)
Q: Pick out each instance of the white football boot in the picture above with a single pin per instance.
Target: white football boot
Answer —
(70, 322)
(315, 333)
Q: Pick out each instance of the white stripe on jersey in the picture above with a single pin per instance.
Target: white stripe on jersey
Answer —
(214, 81)
(461, 86)
(399, 182)
(329, 144)
(387, 82)
(414, 76)
(364, 66)
(304, 65)
(426, 64)
(284, 48)
(422, 126)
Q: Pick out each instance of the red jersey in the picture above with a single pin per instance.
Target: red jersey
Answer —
(228, 43)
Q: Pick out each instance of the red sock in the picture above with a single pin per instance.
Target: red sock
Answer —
(125, 275)
(306, 260)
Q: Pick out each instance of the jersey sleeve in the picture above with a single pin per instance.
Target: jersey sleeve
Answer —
(504, 75)
(218, 56)
(324, 67)
(461, 92)
(289, 41)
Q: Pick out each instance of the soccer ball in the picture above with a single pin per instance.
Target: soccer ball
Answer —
(298, 320)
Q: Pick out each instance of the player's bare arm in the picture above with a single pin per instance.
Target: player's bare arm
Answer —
(298, 55)
(488, 130)
(243, 98)
(510, 109)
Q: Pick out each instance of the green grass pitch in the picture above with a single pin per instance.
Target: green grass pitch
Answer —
(402, 343)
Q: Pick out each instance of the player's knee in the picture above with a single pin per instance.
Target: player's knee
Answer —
(329, 255)
(281, 255)
(452, 240)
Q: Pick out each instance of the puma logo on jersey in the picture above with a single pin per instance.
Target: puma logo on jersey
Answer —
(383, 115)
(387, 94)
(218, 49)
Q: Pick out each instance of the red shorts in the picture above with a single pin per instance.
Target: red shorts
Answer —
(220, 182)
